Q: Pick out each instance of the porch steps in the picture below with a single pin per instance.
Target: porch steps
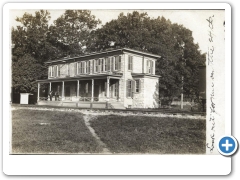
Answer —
(116, 105)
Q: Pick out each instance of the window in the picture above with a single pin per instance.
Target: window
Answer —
(117, 63)
(107, 65)
(137, 86)
(129, 88)
(112, 63)
(75, 68)
(130, 62)
(58, 71)
(103, 65)
(99, 65)
(96, 65)
(149, 67)
(116, 89)
(68, 70)
(88, 67)
(79, 67)
(54, 71)
(50, 71)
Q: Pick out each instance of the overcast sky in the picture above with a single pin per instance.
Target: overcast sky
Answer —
(195, 20)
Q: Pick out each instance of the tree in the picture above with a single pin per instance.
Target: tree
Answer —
(71, 31)
(180, 56)
(31, 36)
(25, 71)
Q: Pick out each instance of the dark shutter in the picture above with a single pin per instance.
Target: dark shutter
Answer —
(119, 63)
(132, 88)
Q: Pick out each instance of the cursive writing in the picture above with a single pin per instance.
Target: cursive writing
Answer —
(210, 59)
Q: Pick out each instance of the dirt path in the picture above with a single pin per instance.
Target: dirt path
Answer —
(87, 118)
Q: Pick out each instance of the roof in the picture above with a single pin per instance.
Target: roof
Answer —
(81, 77)
(84, 56)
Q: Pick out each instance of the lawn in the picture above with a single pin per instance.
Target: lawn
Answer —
(165, 135)
(35, 131)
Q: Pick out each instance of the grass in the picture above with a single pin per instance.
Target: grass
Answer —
(35, 131)
(136, 134)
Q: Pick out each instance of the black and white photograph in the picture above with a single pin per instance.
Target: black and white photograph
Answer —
(116, 81)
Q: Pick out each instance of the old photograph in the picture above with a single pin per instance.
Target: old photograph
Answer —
(114, 81)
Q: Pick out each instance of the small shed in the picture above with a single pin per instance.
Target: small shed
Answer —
(24, 98)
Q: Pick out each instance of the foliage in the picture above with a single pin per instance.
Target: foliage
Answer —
(25, 71)
(71, 31)
(180, 56)
(34, 42)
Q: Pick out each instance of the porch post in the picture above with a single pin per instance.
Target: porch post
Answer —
(108, 82)
(77, 88)
(50, 86)
(92, 90)
(38, 92)
(63, 91)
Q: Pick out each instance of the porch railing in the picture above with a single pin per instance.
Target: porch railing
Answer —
(87, 99)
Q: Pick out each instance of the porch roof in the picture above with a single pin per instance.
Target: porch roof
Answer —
(81, 77)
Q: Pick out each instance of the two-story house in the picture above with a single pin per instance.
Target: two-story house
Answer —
(122, 77)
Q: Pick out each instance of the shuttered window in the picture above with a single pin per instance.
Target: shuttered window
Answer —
(130, 88)
(137, 86)
(75, 68)
(108, 64)
(50, 71)
(150, 67)
(58, 71)
(130, 62)
(79, 68)
(88, 67)
(117, 63)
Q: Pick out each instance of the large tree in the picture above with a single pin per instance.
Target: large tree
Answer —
(34, 41)
(71, 32)
(180, 56)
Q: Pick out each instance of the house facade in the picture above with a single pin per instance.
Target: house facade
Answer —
(124, 78)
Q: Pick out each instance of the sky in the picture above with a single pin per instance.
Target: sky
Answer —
(195, 20)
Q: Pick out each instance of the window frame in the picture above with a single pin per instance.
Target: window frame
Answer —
(139, 85)
(130, 65)
(129, 92)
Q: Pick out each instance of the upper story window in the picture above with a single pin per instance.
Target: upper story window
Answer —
(130, 62)
(54, 71)
(117, 63)
(81, 67)
(102, 65)
(75, 68)
(108, 61)
(88, 67)
(149, 66)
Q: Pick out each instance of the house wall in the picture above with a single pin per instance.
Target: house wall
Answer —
(151, 88)
(138, 98)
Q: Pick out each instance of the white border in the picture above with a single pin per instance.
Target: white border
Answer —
(109, 164)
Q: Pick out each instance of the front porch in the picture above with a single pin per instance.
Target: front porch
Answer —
(84, 92)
